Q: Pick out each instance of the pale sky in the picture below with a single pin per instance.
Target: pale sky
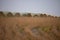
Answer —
(34, 6)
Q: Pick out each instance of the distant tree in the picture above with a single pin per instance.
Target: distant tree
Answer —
(29, 14)
(52, 16)
(35, 15)
(59, 16)
(44, 15)
(41, 15)
(24, 15)
(56, 17)
(49, 15)
(17, 15)
(2, 14)
(10, 14)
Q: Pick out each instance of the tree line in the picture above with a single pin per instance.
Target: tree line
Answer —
(10, 14)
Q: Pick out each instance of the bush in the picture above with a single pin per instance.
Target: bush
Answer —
(17, 15)
(10, 14)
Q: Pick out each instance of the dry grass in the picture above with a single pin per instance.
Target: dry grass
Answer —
(29, 28)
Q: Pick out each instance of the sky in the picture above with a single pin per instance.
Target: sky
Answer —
(34, 6)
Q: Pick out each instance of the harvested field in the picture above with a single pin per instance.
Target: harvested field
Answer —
(29, 28)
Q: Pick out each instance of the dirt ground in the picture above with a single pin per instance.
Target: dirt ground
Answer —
(29, 28)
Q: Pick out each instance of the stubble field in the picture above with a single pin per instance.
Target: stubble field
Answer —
(29, 28)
